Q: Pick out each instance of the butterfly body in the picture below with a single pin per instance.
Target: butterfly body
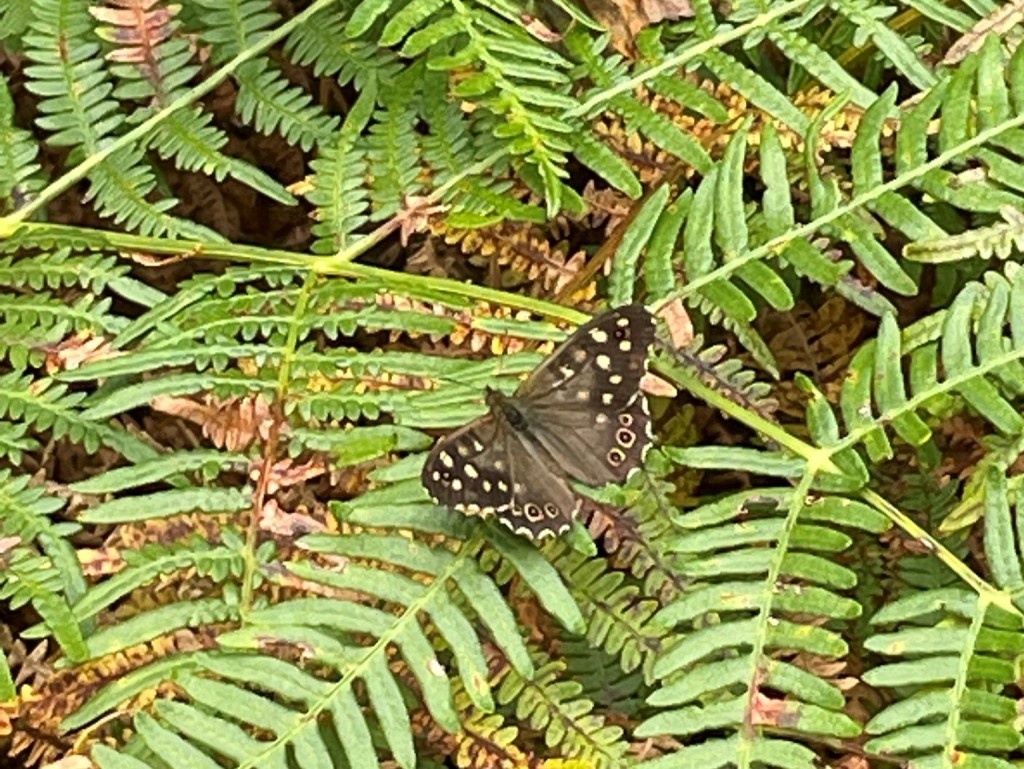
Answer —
(580, 415)
(504, 407)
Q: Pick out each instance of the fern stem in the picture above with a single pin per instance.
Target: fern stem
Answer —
(355, 668)
(814, 455)
(987, 593)
(135, 136)
(711, 44)
(776, 244)
(41, 233)
(250, 563)
(745, 747)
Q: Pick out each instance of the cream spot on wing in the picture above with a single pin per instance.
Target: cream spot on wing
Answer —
(463, 450)
(615, 379)
(502, 486)
(456, 485)
(436, 475)
(625, 345)
(486, 485)
(603, 362)
(583, 395)
(579, 355)
(470, 471)
(477, 445)
(606, 399)
(598, 335)
(566, 371)
(446, 459)
(601, 419)
(499, 464)
(473, 509)
(622, 322)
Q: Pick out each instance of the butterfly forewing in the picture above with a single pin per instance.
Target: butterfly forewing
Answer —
(579, 415)
(595, 418)
(605, 359)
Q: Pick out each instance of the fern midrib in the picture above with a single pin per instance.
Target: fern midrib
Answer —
(746, 735)
(811, 228)
(438, 586)
(949, 741)
(913, 403)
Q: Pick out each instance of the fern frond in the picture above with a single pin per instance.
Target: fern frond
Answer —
(14, 441)
(508, 68)
(27, 577)
(51, 407)
(552, 704)
(604, 71)
(394, 584)
(603, 681)
(641, 517)
(250, 690)
(971, 350)
(736, 656)
(14, 20)
(338, 184)
(20, 176)
(952, 657)
(324, 45)
(265, 98)
(618, 613)
(392, 152)
(154, 65)
(76, 107)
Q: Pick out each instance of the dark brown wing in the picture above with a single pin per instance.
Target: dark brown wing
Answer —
(584, 404)
(485, 469)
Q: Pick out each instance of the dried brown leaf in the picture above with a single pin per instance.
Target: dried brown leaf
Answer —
(76, 351)
(233, 424)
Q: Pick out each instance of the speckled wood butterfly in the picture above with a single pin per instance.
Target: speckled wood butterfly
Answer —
(580, 415)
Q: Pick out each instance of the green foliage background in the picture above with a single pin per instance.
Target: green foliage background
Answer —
(754, 627)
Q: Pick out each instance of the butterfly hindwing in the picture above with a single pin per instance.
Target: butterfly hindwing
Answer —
(600, 447)
(542, 503)
(483, 470)
(468, 469)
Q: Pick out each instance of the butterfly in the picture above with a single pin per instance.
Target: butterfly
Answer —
(579, 415)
